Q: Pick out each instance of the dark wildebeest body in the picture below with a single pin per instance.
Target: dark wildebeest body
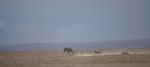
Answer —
(97, 52)
(69, 51)
(125, 53)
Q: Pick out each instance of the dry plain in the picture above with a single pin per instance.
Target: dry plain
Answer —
(61, 59)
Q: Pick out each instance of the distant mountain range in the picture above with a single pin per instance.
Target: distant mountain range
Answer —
(137, 43)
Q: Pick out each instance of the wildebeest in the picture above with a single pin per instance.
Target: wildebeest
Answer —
(69, 50)
(97, 52)
(125, 53)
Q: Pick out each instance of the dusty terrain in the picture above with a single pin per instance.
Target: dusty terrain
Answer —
(61, 59)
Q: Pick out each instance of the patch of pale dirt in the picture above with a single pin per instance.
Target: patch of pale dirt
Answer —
(110, 53)
(86, 54)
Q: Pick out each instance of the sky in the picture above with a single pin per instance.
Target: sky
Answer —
(34, 21)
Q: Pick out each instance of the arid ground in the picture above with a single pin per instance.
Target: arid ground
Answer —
(61, 59)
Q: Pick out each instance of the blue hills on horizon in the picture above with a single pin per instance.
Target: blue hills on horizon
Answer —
(137, 43)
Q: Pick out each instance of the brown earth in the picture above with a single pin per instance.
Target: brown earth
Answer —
(60, 59)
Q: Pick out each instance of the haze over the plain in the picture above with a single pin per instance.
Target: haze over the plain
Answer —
(35, 21)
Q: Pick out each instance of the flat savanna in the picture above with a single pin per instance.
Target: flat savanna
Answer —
(61, 59)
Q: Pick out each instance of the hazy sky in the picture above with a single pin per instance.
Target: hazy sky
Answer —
(26, 21)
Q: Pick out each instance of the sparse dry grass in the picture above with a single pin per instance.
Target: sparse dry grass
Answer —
(59, 59)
